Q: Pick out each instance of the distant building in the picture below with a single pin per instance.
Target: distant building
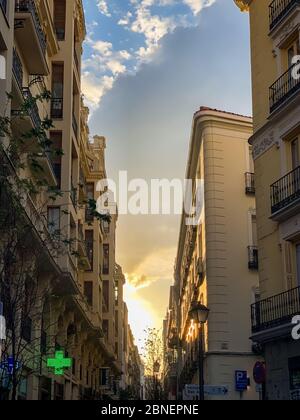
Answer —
(217, 261)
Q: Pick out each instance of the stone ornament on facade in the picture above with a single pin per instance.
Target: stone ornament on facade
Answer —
(263, 145)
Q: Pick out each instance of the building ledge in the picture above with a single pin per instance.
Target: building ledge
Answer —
(273, 334)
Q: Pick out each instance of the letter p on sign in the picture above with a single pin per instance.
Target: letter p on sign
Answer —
(2, 68)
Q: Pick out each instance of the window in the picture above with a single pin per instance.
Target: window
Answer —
(59, 391)
(105, 259)
(104, 377)
(105, 326)
(105, 296)
(60, 19)
(54, 220)
(26, 329)
(295, 153)
(88, 292)
(116, 293)
(106, 227)
(89, 239)
(90, 196)
(57, 91)
(116, 323)
(56, 147)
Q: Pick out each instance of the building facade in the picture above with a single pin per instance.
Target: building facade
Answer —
(275, 50)
(70, 259)
(216, 262)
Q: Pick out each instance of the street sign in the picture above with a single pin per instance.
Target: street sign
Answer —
(259, 373)
(10, 365)
(241, 380)
(192, 391)
(215, 390)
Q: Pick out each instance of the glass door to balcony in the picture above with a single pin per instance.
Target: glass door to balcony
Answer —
(298, 264)
(295, 153)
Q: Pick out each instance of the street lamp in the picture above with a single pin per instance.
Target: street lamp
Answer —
(199, 313)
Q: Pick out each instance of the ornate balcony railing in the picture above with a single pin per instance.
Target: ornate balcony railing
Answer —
(278, 9)
(32, 109)
(17, 69)
(28, 6)
(275, 311)
(57, 108)
(249, 183)
(285, 191)
(75, 126)
(253, 258)
(284, 88)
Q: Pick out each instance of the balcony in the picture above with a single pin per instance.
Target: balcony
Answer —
(249, 183)
(276, 311)
(284, 88)
(26, 118)
(84, 261)
(57, 108)
(17, 70)
(75, 126)
(279, 9)
(252, 258)
(74, 196)
(285, 196)
(82, 189)
(3, 5)
(45, 168)
(30, 36)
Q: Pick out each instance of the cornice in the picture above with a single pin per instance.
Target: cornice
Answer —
(243, 5)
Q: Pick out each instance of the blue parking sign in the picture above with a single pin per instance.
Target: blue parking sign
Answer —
(241, 380)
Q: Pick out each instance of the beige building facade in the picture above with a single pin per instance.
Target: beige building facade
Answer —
(216, 262)
(275, 45)
(79, 309)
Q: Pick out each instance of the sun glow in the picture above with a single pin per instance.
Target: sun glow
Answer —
(141, 314)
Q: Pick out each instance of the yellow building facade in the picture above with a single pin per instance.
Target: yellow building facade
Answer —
(275, 46)
(216, 262)
(80, 310)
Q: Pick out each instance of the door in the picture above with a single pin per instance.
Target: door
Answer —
(298, 264)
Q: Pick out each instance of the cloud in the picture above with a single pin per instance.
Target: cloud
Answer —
(103, 8)
(146, 273)
(197, 5)
(148, 21)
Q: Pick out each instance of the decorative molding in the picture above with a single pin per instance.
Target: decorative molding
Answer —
(261, 145)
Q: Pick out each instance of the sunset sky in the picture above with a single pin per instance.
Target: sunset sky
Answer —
(148, 66)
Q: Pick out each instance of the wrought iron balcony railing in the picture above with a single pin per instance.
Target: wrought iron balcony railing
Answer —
(3, 5)
(57, 108)
(34, 111)
(250, 183)
(278, 9)
(285, 191)
(75, 126)
(18, 69)
(253, 258)
(284, 88)
(275, 311)
(28, 6)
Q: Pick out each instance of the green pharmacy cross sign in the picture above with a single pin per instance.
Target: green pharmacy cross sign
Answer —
(59, 363)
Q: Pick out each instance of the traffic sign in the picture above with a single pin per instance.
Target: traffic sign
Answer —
(241, 380)
(259, 373)
(192, 390)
